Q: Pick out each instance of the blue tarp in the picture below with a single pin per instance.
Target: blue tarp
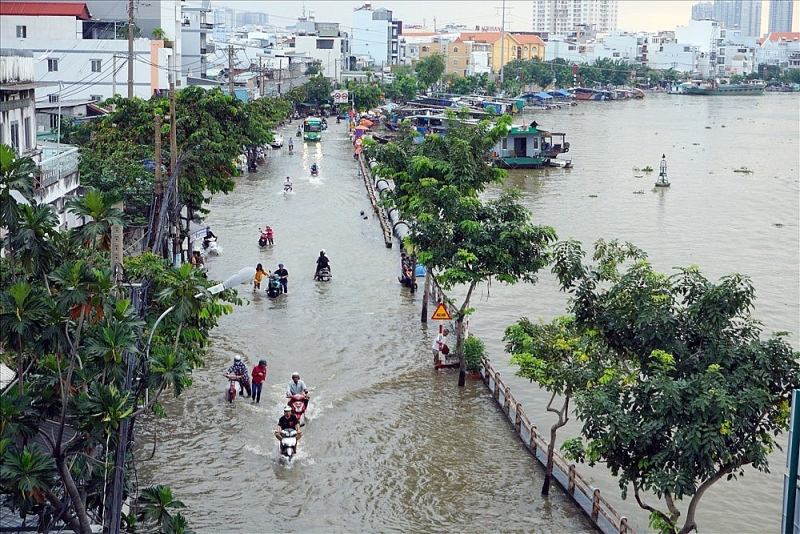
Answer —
(543, 96)
(560, 92)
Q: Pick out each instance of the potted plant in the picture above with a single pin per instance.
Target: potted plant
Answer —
(474, 353)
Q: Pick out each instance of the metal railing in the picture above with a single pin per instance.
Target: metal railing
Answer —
(57, 166)
(599, 510)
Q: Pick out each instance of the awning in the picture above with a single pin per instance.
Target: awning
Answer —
(543, 96)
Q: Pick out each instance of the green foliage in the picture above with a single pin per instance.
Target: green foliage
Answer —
(318, 89)
(365, 95)
(430, 69)
(696, 395)
(474, 353)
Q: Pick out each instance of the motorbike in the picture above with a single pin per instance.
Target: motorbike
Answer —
(274, 288)
(287, 188)
(407, 278)
(210, 245)
(298, 404)
(262, 241)
(230, 395)
(288, 443)
(291, 147)
(323, 275)
(314, 169)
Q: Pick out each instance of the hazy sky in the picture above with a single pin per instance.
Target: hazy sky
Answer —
(648, 15)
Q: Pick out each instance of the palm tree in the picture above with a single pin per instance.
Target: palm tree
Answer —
(37, 253)
(22, 313)
(27, 473)
(155, 504)
(16, 187)
(100, 208)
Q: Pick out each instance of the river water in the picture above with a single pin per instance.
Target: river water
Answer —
(392, 445)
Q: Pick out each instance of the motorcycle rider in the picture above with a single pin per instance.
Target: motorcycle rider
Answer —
(209, 236)
(296, 387)
(287, 184)
(291, 145)
(283, 274)
(238, 371)
(288, 420)
(406, 265)
(270, 235)
(314, 168)
(322, 263)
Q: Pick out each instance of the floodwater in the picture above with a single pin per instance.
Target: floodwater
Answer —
(392, 445)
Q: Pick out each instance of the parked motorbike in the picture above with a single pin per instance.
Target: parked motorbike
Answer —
(288, 443)
(298, 404)
(323, 275)
(274, 288)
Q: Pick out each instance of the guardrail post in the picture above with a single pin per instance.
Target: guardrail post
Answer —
(571, 485)
(496, 387)
(623, 525)
(506, 401)
(517, 424)
(595, 505)
(532, 446)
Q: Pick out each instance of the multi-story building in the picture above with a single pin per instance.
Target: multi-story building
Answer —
(703, 11)
(780, 15)
(58, 165)
(85, 59)
(560, 17)
(326, 46)
(194, 40)
(375, 36)
(739, 14)
(477, 52)
(781, 49)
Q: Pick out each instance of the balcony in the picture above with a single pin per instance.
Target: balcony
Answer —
(55, 165)
(206, 26)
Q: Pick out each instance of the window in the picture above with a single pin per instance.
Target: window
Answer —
(27, 134)
(96, 98)
(424, 48)
(324, 44)
(96, 65)
(52, 65)
(54, 122)
(455, 50)
(15, 136)
(22, 31)
(52, 98)
(455, 62)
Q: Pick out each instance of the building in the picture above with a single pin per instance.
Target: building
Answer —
(477, 52)
(703, 11)
(194, 40)
(58, 177)
(375, 39)
(325, 45)
(739, 14)
(781, 49)
(559, 17)
(780, 15)
(86, 60)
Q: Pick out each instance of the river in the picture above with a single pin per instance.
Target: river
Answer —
(393, 446)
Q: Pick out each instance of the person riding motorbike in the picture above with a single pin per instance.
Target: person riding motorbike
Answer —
(238, 372)
(406, 270)
(299, 131)
(291, 145)
(287, 184)
(263, 239)
(288, 420)
(296, 387)
(322, 263)
(314, 168)
(208, 238)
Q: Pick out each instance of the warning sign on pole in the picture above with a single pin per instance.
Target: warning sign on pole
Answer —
(441, 313)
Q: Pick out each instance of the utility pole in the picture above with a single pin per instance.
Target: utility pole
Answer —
(130, 49)
(502, 42)
(230, 70)
(159, 185)
(114, 74)
(173, 165)
(261, 77)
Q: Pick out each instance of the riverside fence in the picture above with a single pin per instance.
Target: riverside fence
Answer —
(587, 497)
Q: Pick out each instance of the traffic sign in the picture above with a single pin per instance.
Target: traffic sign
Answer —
(340, 97)
(441, 313)
(358, 141)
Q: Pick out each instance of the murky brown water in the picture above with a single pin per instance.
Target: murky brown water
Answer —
(393, 446)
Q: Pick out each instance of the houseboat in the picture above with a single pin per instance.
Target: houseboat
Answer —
(528, 147)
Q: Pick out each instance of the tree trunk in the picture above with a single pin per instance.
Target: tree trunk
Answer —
(77, 502)
(563, 417)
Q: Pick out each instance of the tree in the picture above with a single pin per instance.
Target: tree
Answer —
(698, 395)
(318, 89)
(463, 239)
(16, 182)
(429, 69)
(562, 359)
(74, 334)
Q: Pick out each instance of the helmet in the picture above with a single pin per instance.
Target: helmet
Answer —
(280, 265)
(287, 408)
(237, 358)
(296, 374)
(262, 362)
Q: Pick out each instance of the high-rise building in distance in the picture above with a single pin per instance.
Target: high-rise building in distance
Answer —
(780, 15)
(563, 16)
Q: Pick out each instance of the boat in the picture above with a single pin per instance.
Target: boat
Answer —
(729, 89)
(528, 147)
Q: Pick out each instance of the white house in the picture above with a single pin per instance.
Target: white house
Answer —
(781, 49)
(375, 35)
(326, 46)
(679, 56)
(86, 59)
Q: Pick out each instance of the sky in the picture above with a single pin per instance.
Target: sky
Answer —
(634, 15)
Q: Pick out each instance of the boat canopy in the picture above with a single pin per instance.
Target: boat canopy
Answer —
(559, 92)
(543, 96)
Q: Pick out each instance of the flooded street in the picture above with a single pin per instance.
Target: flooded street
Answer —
(392, 445)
